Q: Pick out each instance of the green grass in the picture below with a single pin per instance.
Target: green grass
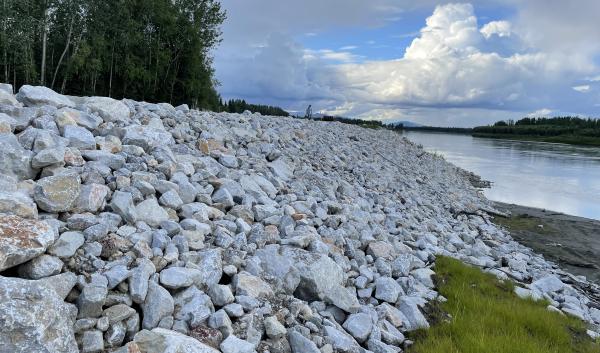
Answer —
(525, 223)
(486, 317)
(567, 139)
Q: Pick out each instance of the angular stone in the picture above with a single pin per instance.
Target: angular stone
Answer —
(177, 277)
(138, 280)
(49, 156)
(91, 300)
(192, 306)
(14, 159)
(22, 239)
(116, 275)
(381, 249)
(359, 326)
(160, 340)
(122, 203)
(317, 278)
(343, 298)
(57, 193)
(67, 244)
(233, 344)
(92, 342)
(40, 267)
(109, 109)
(18, 204)
(112, 160)
(157, 305)
(118, 313)
(149, 211)
(220, 295)
(146, 137)
(387, 289)
(301, 344)
(171, 199)
(92, 198)
(39, 95)
(273, 328)
(340, 340)
(79, 137)
(247, 284)
(548, 284)
(410, 309)
(34, 318)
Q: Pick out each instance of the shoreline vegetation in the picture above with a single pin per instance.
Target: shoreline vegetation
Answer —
(567, 130)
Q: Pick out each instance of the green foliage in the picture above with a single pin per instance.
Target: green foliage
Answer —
(371, 124)
(545, 127)
(486, 316)
(240, 105)
(154, 50)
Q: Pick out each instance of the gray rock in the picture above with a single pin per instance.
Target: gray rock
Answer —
(115, 335)
(92, 342)
(220, 321)
(138, 280)
(22, 239)
(301, 344)
(79, 137)
(247, 284)
(210, 266)
(39, 95)
(233, 344)
(34, 318)
(171, 199)
(548, 284)
(146, 137)
(192, 306)
(343, 298)
(317, 278)
(7, 98)
(222, 196)
(158, 304)
(220, 295)
(387, 289)
(18, 204)
(48, 156)
(67, 244)
(149, 211)
(411, 311)
(40, 267)
(92, 198)
(116, 275)
(177, 277)
(111, 160)
(359, 326)
(228, 161)
(14, 159)
(273, 328)
(160, 340)
(117, 313)
(91, 300)
(122, 203)
(57, 193)
(340, 340)
(109, 109)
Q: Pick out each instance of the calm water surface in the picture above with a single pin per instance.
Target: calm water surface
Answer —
(553, 176)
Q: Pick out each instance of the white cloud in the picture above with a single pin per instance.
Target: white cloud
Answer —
(498, 28)
(582, 88)
(540, 113)
(349, 47)
(455, 70)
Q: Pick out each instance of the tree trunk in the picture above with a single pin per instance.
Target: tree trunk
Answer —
(112, 57)
(62, 56)
(66, 75)
(44, 45)
(5, 41)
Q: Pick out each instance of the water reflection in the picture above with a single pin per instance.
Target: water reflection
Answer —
(553, 176)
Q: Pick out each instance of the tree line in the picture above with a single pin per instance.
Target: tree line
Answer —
(542, 126)
(152, 50)
(240, 105)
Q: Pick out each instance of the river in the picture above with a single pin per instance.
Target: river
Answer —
(551, 176)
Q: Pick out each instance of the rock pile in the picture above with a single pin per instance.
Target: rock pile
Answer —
(135, 227)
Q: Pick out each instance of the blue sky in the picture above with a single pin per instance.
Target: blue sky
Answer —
(436, 63)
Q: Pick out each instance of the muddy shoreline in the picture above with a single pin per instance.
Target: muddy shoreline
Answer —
(571, 242)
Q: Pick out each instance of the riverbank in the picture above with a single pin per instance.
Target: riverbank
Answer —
(571, 242)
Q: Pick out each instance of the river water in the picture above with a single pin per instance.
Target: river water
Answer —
(552, 176)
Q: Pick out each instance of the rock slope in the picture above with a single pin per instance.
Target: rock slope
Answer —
(135, 227)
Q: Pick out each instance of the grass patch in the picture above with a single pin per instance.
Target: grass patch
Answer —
(488, 317)
(524, 223)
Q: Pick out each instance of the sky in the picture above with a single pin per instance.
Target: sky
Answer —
(434, 63)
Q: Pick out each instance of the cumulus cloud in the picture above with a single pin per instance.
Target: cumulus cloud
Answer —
(455, 70)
